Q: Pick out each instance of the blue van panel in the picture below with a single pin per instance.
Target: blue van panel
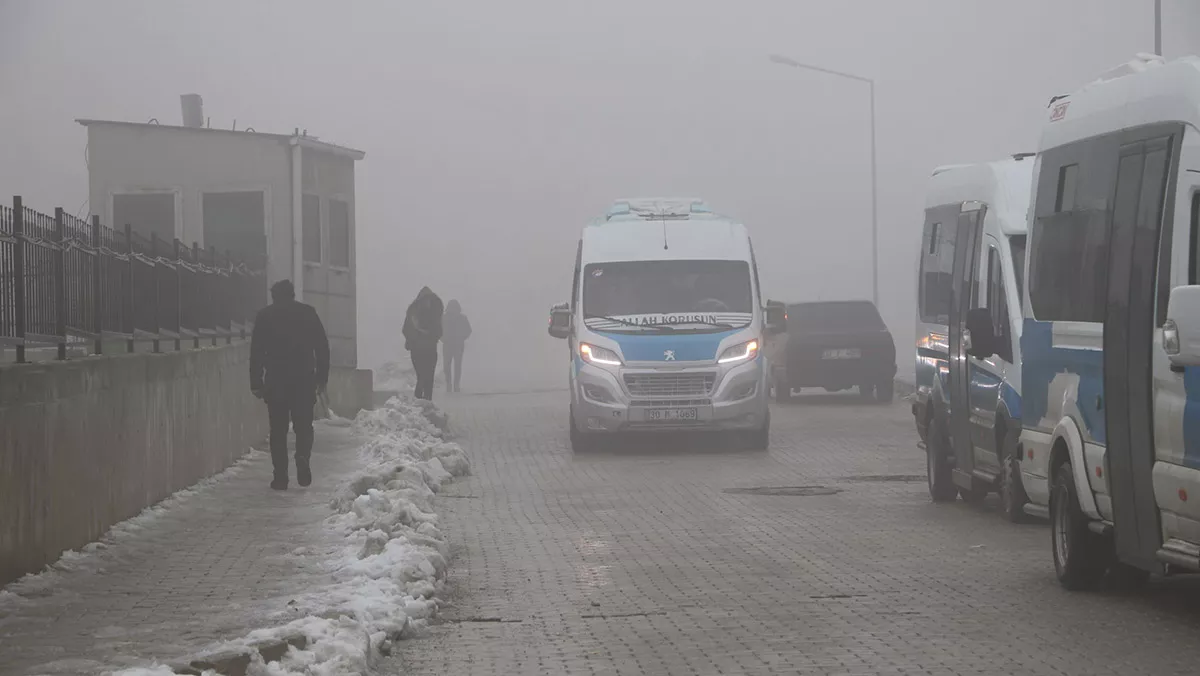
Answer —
(1191, 417)
(684, 346)
(1041, 362)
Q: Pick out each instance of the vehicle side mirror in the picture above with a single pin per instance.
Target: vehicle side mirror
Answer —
(982, 334)
(774, 318)
(560, 320)
(1181, 332)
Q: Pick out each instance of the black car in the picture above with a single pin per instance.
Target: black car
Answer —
(835, 345)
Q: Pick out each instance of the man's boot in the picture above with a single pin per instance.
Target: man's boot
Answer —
(279, 483)
(303, 472)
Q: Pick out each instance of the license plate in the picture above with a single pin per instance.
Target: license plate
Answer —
(843, 353)
(671, 414)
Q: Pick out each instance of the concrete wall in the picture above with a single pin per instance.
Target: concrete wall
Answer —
(332, 290)
(85, 444)
(350, 391)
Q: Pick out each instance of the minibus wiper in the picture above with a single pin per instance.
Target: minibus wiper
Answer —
(705, 322)
(626, 322)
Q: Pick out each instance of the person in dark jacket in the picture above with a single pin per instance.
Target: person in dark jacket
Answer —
(289, 365)
(422, 331)
(456, 328)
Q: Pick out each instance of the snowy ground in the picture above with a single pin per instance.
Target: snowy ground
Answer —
(351, 568)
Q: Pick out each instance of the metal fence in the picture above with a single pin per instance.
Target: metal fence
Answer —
(66, 282)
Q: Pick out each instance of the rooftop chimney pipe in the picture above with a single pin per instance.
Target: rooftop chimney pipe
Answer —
(193, 110)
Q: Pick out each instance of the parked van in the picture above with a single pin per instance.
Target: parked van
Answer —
(968, 400)
(666, 325)
(1111, 345)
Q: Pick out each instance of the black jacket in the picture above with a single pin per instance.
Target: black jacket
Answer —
(423, 321)
(289, 347)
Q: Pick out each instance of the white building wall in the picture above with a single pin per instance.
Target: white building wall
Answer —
(190, 162)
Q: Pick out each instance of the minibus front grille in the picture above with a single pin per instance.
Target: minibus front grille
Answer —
(669, 385)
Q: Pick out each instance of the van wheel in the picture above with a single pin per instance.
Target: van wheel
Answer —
(885, 391)
(581, 442)
(941, 483)
(1080, 558)
(1012, 491)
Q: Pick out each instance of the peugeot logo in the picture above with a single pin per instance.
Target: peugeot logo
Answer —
(669, 355)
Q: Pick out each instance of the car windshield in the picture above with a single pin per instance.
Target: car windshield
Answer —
(840, 316)
(704, 294)
(1017, 244)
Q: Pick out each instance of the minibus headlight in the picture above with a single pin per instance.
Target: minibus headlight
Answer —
(744, 352)
(598, 355)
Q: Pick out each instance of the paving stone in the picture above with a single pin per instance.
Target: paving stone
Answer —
(634, 560)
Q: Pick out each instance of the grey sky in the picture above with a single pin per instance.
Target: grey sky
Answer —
(495, 130)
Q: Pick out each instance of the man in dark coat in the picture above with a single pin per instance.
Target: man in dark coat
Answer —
(289, 347)
(456, 328)
(422, 331)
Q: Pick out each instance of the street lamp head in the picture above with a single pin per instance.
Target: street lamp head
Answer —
(784, 61)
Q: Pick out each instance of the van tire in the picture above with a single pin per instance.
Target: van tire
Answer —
(885, 391)
(581, 442)
(1080, 557)
(937, 469)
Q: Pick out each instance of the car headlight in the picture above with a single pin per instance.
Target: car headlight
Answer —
(598, 355)
(744, 352)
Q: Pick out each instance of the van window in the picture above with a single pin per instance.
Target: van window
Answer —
(1194, 262)
(937, 268)
(631, 288)
(1068, 266)
(1150, 218)
(1068, 178)
(1017, 245)
(997, 304)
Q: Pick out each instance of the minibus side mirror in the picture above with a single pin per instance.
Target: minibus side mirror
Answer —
(1181, 332)
(774, 318)
(980, 336)
(560, 320)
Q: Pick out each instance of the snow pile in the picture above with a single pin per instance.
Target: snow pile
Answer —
(388, 570)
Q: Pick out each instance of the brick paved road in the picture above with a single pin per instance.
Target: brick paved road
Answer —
(637, 562)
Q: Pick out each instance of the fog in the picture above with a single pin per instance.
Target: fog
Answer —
(494, 131)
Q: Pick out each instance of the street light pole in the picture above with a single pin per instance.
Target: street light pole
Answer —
(1158, 27)
(787, 61)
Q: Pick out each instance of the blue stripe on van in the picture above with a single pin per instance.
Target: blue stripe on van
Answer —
(1191, 417)
(1041, 362)
(1012, 400)
(684, 346)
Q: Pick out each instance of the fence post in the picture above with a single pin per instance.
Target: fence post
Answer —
(199, 297)
(98, 285)
(130, 327)
(60, 284)
(230, 296)
(19, 275)
(157, 304)
(179, 294)
(214, 301)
